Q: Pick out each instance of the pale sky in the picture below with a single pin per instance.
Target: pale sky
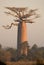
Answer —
(35, 31)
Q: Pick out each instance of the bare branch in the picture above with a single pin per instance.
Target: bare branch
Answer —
(37, 16)
(12, 9)
(29, 21)
(11, 14)
(21, 9)
(17, 10)
(25, 16)
(21, 15)
(17, 20)
(9, 27)
(32, 12)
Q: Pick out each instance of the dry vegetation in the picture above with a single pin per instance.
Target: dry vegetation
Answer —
(25, 63)
(8, 56)
(21, 63)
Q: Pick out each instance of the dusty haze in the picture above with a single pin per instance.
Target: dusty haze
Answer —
(35, 31)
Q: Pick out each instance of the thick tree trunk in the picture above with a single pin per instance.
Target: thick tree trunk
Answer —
(23, 32)
(22, 45)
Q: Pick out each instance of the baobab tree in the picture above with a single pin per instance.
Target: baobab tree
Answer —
(23, 16)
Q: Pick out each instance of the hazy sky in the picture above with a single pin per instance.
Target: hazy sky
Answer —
(35, 31)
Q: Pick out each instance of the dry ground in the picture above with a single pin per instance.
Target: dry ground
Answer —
(23, 63)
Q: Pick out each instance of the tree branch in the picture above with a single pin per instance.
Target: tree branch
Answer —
(11, 14)
(9, 27)
(29, 21)
(12, 9)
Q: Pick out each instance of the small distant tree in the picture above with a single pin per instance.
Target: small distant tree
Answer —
(34, 46)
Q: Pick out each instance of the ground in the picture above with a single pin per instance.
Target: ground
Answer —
(24, 63)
